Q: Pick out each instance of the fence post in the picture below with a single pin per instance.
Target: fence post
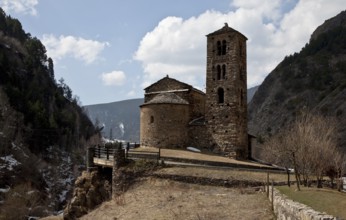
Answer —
(127, 149)
(90, 158)
(272, 194)
(268, 184)
(107, 153)
(159, 156)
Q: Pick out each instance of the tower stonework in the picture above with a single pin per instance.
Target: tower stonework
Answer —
(226, 99)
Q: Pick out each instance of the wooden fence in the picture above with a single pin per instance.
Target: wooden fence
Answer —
(103, 153)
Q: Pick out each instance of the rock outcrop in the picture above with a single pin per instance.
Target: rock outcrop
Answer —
(91, 189)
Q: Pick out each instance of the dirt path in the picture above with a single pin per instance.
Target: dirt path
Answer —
(165, 199)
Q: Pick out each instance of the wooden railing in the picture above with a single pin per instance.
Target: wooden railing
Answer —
(106, 155)
(102, 156)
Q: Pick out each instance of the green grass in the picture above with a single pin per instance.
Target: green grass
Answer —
(324, 200)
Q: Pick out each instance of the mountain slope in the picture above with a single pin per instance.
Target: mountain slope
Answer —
(251, 92)
(120, 119)
(313, 80)
(42, 127)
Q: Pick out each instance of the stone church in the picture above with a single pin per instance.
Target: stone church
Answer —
(176, 115)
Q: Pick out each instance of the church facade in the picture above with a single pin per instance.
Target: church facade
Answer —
(176, 115)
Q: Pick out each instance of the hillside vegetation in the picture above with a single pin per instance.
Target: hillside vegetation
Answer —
(42, 127)
(312, 80)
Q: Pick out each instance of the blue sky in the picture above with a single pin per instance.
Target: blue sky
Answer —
(110, 50)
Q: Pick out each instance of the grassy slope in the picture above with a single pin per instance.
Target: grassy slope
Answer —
(325, 200)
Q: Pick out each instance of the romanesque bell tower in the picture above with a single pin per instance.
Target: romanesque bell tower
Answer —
(226, 99)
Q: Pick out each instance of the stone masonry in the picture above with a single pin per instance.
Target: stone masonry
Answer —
(286, 209)
(226, 105)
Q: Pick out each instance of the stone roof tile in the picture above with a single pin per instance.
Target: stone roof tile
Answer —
(167, 98)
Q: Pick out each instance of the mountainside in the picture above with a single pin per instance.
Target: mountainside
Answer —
(251, 92)
(120, 119)
(313, 79)
(42, 127)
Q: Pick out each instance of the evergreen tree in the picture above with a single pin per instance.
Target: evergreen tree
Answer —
(51, 68)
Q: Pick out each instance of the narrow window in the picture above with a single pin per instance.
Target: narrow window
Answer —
(224, 46)
(219, 48)
(213, 71)
(224, 71)
(151, 119)
(218, 69)
(220, 94)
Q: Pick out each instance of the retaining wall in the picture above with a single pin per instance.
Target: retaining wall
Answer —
(287, 209)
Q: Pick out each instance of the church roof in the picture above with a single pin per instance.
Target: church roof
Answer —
(175, 86)
(225, 29)
(167, 98)
(167, 78)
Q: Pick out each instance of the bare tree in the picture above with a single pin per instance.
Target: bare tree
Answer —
(308, 145)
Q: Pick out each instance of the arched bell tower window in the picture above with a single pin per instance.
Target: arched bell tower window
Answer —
(221, 95)
(219, 48)
(224, 46)
(224, 71)
(218, 72)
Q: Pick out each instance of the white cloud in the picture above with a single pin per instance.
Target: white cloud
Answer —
(19, 6)
(178, 47)
(76, 47)
(131, 93)
(114, 78)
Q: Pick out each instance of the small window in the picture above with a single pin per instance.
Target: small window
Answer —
(224, 47)
(219, 48)
(218, 74)
(151, 119)
(220, 94)
(224, 71)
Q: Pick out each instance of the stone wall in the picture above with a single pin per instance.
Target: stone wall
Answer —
(196, 100)
(164, 125)
(285, 209)
(199, 137)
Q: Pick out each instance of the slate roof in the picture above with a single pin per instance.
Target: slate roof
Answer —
(168, 78)
(167, 98)
(225, 29)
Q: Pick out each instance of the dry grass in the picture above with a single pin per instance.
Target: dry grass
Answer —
(323, 200)
(198, 156)
(223, 174)
(165, 199)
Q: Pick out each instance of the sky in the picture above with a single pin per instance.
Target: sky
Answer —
(111, 50)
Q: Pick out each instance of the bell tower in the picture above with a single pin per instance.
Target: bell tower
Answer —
(226, 92)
